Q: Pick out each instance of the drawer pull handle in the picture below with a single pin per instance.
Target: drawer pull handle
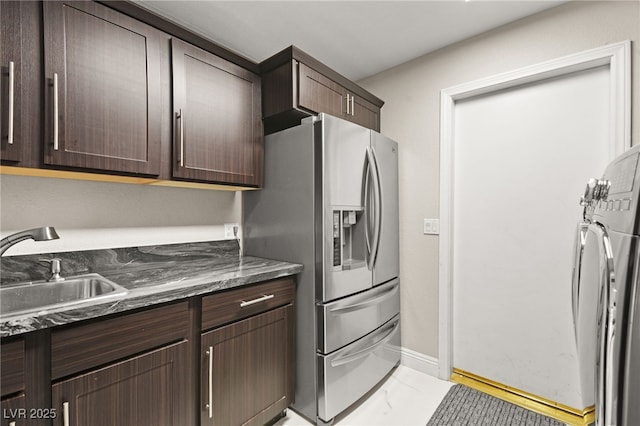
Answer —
(65, 413)
(258, 300)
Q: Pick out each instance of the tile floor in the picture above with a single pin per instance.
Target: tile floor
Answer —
(407, 398)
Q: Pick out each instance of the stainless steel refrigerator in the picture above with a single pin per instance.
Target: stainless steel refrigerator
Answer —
(330, 202)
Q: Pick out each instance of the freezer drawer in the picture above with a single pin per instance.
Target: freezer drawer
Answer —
(346, 320)
(346, 375)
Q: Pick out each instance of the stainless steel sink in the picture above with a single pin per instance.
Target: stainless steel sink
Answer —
(29, 297)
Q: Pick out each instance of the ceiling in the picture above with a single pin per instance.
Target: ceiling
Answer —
(355, 38)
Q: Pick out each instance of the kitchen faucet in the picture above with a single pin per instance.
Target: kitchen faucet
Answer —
(46, 233)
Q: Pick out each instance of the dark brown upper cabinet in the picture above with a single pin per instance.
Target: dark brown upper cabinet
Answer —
(364, 113)
(11, 70)
(318, 93)
(21, 71)
(296, 85)
(218, 133)
(102, 94)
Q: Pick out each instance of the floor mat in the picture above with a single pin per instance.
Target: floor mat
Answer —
(465, 406)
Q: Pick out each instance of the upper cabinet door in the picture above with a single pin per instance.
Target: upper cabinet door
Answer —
(217, 119)
(10, 80)
(364, 113)
(102, 93)
(317, 93)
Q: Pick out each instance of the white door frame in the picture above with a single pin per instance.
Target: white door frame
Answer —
(617, 56)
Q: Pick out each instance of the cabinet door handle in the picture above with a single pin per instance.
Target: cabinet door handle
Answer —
(258, 300)
(210, 382)
(348, 96)
(56, 141)
(65, 414)
(353, 107)
(11, 101)
(180, 119)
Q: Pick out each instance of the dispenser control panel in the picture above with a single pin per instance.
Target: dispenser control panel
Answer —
(336, 239)
(348, 236)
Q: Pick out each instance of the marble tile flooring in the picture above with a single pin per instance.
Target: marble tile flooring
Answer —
(407, 398)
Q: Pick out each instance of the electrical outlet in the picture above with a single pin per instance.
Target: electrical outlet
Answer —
(431, 227)
(231, 231)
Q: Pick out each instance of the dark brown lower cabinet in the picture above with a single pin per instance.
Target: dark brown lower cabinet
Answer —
(141, 368)
(12, 366)
(147, 390)
(248, 369)
(12, 383)
(14, 411)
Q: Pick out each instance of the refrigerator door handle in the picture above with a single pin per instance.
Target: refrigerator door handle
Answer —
(372, 181)
(377, 205)
(341, 360)
(366, 195)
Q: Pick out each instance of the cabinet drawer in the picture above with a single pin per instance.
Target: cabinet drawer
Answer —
(222, 308)
(12, 366)
(80, 347)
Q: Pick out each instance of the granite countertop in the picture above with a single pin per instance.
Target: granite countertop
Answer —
(152, 275)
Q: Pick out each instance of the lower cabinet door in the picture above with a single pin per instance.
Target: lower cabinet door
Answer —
(148, 390)
(14, 412)
(248, 370)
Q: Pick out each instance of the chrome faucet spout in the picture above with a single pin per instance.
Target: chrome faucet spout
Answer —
(46, 233)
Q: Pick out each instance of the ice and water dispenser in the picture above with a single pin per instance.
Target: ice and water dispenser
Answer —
(349, 250)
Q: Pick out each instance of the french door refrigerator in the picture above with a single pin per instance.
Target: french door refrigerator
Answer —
(330, 202)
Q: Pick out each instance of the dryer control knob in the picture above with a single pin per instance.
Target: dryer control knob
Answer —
(589, 192)
(603, 189)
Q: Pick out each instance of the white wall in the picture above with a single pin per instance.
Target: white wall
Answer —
(411, 116)
(94, 215)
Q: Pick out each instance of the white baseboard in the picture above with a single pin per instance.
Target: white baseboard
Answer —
(419, 362)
